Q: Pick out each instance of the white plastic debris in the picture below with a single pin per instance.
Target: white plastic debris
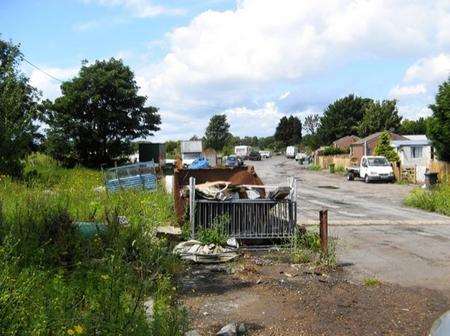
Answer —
(196, 251)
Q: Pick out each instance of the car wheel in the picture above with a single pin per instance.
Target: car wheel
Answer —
(366, 179)
(350, 177)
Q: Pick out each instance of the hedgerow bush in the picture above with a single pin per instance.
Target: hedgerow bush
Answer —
(55, 281)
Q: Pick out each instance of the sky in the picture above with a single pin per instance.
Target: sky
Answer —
(253, 60)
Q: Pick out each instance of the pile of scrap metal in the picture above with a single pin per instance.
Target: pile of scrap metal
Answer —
(227, 191)
(235, 176)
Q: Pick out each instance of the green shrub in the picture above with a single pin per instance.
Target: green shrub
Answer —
(330, 150)
(216, 234)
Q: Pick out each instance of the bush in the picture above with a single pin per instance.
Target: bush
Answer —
(327, 151)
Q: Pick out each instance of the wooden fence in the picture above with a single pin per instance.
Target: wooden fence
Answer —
(440, 167)
(324, 161)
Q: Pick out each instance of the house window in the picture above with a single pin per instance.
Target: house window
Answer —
(416, 152)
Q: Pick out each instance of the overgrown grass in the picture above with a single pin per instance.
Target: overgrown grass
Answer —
(54, 281)
(435, 200)
(314, 167)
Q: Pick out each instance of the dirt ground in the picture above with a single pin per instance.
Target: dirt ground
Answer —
(273, 297)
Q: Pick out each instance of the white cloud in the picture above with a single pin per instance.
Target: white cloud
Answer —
(140, 8)
(50, 87)
(284, 95)
(400, 91)
(429, 69)
(420, 84)
(234, 58)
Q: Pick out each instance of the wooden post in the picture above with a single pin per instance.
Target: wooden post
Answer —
(323, 230)
(192, 205)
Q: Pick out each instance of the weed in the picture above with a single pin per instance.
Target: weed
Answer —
(371, 282)
(314, 167)
(306, 248)
(436, 200)
(340, 169)
(216, 234)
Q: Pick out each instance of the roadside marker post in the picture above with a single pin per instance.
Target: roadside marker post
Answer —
(323, 230)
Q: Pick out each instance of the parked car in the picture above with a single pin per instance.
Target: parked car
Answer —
(254, 156)
(233, 161)
(372, 168)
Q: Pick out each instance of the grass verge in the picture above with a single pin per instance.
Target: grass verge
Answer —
(435, 200)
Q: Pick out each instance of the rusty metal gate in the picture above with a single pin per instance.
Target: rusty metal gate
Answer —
(245, 218)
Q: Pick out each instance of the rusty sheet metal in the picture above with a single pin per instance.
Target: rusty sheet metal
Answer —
(238, 175)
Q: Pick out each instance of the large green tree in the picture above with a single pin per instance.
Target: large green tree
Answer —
(379, 116)
(18, 108)
(217, 134)
(98, 115)
(384, 147)
(341, 118)
(289, 131)
(418, 126)
(439, 124)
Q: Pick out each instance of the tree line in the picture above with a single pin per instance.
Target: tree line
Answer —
(100, 113)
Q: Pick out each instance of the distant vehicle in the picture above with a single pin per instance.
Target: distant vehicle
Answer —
(242, 151)
(190, 151)
(372, 168)
(291, 152)
(265, 154)
(254, 156)
(233, 161)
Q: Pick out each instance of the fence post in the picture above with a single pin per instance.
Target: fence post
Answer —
(323, 230)
(192, 205)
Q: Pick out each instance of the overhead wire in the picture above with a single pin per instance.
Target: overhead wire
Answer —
(38, 68)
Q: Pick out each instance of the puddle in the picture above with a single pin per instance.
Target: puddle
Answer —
(327, 187)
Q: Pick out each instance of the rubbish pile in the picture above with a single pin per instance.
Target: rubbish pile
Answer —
(225, 191)
(207, 253)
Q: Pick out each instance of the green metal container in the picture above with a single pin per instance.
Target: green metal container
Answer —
(331, 167)
(90, 229)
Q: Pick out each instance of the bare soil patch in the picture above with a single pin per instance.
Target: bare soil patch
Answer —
(274, 297)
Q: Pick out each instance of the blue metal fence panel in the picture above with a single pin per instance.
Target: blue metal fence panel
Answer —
(139, 175)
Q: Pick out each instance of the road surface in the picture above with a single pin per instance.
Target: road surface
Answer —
(376, 233)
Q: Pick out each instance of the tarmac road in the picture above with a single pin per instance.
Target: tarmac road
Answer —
(376, 233)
